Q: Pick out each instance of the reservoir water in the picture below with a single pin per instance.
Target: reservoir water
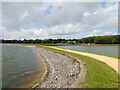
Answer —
(109, 50)
(21, 66)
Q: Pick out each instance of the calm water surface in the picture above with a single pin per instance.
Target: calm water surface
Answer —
(21, 66)
(109, 50)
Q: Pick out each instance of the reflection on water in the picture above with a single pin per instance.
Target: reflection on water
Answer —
(21, 66)
(109, 50)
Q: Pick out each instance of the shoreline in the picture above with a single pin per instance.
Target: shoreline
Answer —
(45, 67)
(70, 73)
(57, 44)
(50, 70)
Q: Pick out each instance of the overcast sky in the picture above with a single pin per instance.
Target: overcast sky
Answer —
(42, 20)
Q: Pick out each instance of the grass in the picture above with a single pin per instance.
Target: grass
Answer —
(99, 74)
(74, 60)
(51, 82)
(48, 72)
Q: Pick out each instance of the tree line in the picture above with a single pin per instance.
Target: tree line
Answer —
(109, 39)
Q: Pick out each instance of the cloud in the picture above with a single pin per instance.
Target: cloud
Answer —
(57, 20)
(24, 15)
(100, 33)
(95, 32)
(31, 33)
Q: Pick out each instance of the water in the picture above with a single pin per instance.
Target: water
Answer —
(109, 50)
(21, 66)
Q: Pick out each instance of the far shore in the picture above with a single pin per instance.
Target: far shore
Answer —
(62, 44)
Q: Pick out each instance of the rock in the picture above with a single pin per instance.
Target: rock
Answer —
(72, 74)
(68, 83)
(63, 72)
(56, 77)
(55, 86)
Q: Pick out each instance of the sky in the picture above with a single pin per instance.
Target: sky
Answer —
(43, 20)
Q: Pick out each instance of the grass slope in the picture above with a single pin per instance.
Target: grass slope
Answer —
(99, 74)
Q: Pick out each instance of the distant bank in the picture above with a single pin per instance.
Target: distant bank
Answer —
(94, 40)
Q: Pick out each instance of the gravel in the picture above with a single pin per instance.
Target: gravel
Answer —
(65, 71)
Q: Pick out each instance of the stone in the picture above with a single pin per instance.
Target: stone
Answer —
(56, 77)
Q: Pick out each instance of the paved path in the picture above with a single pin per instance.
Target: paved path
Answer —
(112, 62)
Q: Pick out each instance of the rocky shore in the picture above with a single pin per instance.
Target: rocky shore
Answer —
(65, 71)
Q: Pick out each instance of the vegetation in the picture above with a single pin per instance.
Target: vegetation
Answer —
(74, 60)
(48, 72)
(99, 74)
(109, 39)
